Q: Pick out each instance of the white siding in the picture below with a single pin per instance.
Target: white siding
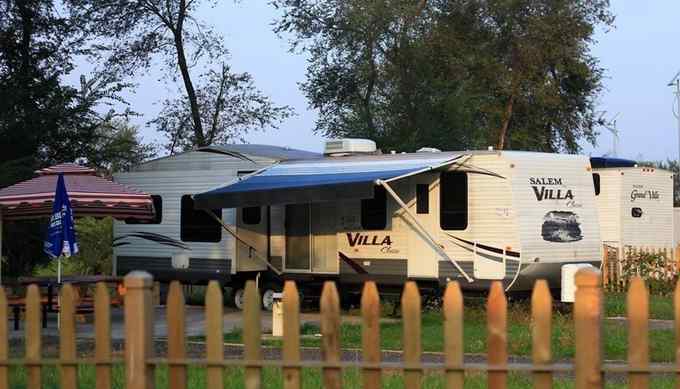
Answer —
(676, 226)
(655, 227)
(609, 205)
(171, 178)
(491, 216)
(573, 174)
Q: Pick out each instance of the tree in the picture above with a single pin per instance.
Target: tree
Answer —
(136, 31)
(229, 106)
(33, 57)
(117, 148)
(454, 74)
(42, 119)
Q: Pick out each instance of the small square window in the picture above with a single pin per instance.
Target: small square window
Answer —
(157, 213)
(196, 225)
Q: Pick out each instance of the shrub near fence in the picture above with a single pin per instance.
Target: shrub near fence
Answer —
(140, 363)
(658, 267)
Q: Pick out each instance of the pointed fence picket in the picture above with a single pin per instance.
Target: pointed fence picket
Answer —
(588, 368)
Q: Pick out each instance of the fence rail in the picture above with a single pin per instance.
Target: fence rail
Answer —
(140, 363)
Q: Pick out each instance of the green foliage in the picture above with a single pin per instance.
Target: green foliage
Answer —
(43, 120)
(117, 148)
(95, 241)
(658, 272)
(230, 107)
(451, 74)
(215, 105)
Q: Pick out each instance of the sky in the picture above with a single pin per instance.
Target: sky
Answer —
(640, 55)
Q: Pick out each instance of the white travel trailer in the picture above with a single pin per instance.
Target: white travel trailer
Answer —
(635, 204)
(472, 216)
(183, 243)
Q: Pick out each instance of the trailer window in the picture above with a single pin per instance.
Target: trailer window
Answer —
(197, 225)
(453, 201)
(251, 215)
(596, 183)
(157, 213)
(374, 211)
(636, 212)
(422, 198)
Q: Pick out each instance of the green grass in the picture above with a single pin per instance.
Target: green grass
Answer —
(660, 307)
(519, 332)
(311, 378)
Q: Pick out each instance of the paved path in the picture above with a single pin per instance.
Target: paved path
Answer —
(195, 323)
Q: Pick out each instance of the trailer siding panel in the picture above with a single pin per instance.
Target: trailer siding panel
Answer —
(171, 178)
(554, 197)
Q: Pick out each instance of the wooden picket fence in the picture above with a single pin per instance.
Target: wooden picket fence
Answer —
(614, 275)
(140, 363)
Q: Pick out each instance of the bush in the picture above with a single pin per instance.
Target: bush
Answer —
(95, 240)
(658, 272)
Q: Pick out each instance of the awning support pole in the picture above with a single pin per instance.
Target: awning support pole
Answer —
(429, 168)
(422, 229)
(235, 235)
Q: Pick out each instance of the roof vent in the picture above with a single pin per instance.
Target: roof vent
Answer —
(428, 150)
(349, 146)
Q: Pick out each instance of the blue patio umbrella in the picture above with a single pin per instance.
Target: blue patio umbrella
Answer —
(61, 233)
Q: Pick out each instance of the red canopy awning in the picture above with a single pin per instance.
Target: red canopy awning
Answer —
(90, 195)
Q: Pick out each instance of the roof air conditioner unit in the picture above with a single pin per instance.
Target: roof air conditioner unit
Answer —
(349, 146)
(428, 150)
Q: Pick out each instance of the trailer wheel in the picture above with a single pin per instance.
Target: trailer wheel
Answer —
(238, 297)
(268, 291)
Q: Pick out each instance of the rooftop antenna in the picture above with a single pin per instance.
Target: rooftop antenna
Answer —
(611, 126)
(675, 83)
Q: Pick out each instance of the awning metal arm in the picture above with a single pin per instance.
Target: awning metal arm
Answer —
(429, 168)
(243, 177)
(434, 244)
(250, 248)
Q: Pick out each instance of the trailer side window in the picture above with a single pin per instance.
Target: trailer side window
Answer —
(197, 225)
(251, 215)
(422, 198)
(596, 183)
(453, 199)
(374, 211)
(157, 213)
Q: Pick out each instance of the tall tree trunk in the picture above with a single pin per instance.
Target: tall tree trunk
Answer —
(507, 115)
(186, 77)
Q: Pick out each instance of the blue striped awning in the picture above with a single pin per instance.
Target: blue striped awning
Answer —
(320, 180)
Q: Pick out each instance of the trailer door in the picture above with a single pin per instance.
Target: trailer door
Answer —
(251, 228)
(298, 237)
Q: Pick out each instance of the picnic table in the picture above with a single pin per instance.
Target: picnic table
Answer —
(51, 284)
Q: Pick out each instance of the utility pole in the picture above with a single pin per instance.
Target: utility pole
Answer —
(675, 83)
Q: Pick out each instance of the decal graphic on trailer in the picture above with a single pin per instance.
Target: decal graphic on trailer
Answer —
(561, 227)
